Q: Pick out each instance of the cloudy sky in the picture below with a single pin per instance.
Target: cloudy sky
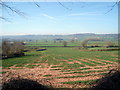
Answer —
(60, 18)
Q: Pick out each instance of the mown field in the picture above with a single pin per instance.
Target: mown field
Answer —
(63, 66)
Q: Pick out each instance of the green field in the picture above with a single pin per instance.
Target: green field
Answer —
(69, 43)
(67, 60)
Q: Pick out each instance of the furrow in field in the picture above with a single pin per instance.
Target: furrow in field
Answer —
(106, 61)
(81, 74)
(93, 69)
(96, 61)
(40, 59)
(107, 66)
(68, 61)
(115, 55)
(79, 62)
(77, 79)
(88, 63)
(34, 73)
(86, 72)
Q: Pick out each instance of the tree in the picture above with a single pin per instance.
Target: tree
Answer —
(110, 44)
(65, 43)
(73, 40)
(84, 43)
(6, 50)
(12, 49)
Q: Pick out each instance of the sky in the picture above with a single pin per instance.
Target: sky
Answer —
(60, 18)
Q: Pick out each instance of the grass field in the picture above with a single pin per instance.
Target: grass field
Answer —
(67, 66)
(69, 43)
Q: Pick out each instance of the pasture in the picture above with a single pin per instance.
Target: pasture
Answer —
(69, 43)
(63, 67)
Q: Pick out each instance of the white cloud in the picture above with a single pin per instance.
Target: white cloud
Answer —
(85, 13)
(49, 17)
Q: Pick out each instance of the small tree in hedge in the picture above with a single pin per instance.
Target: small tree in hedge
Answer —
(65, 43)
(110, 44)
(84, 43)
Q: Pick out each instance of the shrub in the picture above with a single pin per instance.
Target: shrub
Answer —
(12, 49)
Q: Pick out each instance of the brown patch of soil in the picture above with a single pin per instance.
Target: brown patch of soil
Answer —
(34, 74)
(81, 74)
(77, 79)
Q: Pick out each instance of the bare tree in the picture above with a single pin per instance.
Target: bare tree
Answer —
(65, 43)
(84, 43)
(12, 49)
(73, 40)
(5, 49)
(110, 44)
(18, 49)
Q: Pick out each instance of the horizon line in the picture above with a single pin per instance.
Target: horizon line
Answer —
(53, 34)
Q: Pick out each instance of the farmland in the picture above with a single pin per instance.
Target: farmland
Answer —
(61, 67)
(69, 43)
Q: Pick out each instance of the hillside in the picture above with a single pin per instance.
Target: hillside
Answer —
(79, 36)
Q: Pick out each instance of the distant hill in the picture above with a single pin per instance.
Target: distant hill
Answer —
(78, 36)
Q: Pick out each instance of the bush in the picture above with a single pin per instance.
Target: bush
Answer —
(12, 49)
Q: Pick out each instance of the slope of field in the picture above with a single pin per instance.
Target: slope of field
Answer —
(62, 66)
